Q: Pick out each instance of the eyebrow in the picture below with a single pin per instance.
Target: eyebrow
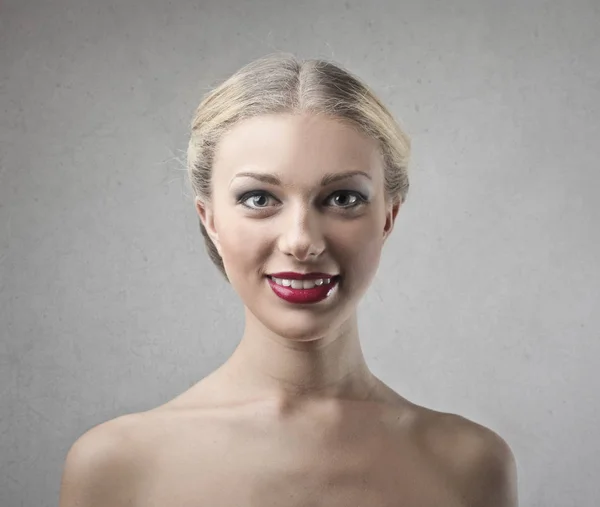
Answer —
(326, 180)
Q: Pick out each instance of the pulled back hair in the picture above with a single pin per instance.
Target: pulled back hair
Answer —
(282, 83)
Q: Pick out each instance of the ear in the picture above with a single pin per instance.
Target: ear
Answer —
(390, 218)
(207, 216)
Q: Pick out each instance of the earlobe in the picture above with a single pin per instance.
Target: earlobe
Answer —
(206, 215)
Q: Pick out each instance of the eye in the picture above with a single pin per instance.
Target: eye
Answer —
(343, 199)
(256, 199)
(347, 199)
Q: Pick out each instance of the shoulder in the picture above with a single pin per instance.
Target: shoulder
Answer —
(478, 460)
(103, 466)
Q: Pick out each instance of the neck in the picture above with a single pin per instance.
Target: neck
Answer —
(328, 366)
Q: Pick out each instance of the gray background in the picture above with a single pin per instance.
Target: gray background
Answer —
(486, 302)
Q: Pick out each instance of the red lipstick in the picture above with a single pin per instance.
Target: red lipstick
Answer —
(302, 295)
(290, 275)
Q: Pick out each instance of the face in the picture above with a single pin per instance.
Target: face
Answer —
(303, 194)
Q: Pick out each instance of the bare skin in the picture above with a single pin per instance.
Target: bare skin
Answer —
(294, 417)
(196, 451)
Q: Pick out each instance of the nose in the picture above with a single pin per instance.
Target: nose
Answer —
(302, 235)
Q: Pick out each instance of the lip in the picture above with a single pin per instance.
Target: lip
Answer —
(304, 296)
(291, 275)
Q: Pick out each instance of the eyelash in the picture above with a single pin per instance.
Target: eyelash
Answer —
(361, 199)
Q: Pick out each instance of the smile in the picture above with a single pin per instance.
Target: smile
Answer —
(301, 284)
(303, 291)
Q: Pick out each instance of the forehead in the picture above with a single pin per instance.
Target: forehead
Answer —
(295, 147)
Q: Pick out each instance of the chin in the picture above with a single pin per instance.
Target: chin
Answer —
(303, 325)
(302, 334)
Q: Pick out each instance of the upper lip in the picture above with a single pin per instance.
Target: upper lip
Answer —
(290, 275)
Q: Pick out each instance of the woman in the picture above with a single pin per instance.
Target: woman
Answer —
(299, 172)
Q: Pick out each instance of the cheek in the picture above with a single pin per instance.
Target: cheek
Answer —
(368, 256)
(242, 244)
(361, 250)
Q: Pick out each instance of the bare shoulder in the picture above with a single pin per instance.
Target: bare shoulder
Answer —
(105, 464)
(474, 457)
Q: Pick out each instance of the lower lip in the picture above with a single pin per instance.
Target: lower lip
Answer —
(300, 296)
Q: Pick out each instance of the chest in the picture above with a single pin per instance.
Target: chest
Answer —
(283, 472)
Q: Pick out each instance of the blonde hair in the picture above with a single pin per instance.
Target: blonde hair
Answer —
(282, 83)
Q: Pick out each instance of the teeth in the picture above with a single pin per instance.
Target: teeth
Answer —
(301, 284)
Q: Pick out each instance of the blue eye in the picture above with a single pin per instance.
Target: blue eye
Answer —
(259, 199)
(254, 197)
(352, 200)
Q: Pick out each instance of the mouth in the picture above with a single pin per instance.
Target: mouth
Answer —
(304, 283)
(304, 291)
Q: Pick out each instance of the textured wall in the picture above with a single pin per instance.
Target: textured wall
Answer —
(486, 302)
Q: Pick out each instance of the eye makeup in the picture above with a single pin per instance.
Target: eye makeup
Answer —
(361, 198)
